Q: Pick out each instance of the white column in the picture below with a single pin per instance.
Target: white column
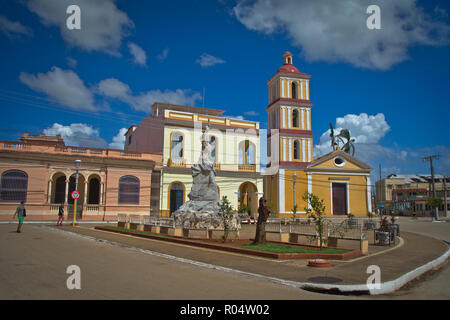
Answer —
(307, 119)
(282, 89)
(309, 150)
(369, 196)
(283, 115)
(304, 150)
(101, 193)
(290, 149)
(302, 111)
(307, 90)
(67, 193)
(284, 149)
(301, 90)
(289, 117)
(49, 195)
(85, 192)
(281, 191)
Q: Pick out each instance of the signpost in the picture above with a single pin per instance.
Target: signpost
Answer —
(75, 194)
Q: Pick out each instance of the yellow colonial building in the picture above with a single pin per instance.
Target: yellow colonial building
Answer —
(341, 180)
(175, 131)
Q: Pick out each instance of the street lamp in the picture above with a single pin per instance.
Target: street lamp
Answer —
(77, 167)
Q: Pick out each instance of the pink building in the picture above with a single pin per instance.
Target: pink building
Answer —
(41, 171)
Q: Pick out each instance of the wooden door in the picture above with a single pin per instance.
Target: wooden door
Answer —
(339, 198)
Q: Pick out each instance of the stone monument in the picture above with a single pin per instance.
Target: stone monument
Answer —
(201, 211)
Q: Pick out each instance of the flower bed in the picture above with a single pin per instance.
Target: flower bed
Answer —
(272, 249)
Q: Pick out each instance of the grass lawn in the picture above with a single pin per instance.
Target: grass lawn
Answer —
(281, 248)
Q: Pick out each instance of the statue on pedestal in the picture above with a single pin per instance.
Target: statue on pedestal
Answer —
(202, 208)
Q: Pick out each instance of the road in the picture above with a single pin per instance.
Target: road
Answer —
(33, 265)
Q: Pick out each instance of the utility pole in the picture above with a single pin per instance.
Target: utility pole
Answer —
(445, 195)
(430, 159)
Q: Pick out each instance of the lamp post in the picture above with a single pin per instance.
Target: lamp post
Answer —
(77, 167)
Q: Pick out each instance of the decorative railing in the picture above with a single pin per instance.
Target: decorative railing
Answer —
(177, 163)
(247, 167)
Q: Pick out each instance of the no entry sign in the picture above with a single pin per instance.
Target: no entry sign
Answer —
(75, 195)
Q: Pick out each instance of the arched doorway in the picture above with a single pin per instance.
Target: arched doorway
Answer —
(176, 196)
(94, 190)
(248, 196)
(59, 188)
(72, 188)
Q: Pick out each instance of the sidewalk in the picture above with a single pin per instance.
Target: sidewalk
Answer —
(414, 252)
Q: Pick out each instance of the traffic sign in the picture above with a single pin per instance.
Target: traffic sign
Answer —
(75, 194)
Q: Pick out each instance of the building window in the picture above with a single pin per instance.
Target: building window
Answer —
(177, 146)
(296, 150)
(246, 152)
(339, 162)
(129, 139)
(295, 118)
(212, 143)
(14, 186)
(294, 90)
(176, 196)
(128, 190)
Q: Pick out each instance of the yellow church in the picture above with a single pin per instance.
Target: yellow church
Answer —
(341, 180)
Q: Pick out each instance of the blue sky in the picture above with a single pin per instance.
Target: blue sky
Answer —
(390, 87)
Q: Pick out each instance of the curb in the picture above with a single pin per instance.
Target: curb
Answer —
(384, 288)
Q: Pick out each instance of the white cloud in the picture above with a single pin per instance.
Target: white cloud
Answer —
(116, 89)
(13, 28)
(163, 56)
(367, 131)
(251, 113)
(119, 140)
(139, 55)
(72, 62)
(62, 86)
(77, 135)
(336, 31)
(206, 60)
(103, 25)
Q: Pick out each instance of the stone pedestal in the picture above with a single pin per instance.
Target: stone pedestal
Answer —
(364, 246)
(293, 237)
(178, 232)
(284, 237)
(124, 225)
(332, 242)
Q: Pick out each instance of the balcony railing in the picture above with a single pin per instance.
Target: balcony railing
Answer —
(247, 167)
(177, 163)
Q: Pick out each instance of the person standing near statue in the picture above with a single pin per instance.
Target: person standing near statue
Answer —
(263, 215)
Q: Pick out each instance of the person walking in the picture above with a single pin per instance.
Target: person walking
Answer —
(20, 213)
(60, 215)
(263, 214)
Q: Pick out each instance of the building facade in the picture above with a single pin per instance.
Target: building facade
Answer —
(342, 181)
(40, 170)
(175, 131)
(408, 193)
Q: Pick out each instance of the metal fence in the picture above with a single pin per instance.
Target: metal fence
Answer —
(336, 228)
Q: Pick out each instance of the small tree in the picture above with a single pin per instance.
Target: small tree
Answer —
(226, 212)
(316, 212)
